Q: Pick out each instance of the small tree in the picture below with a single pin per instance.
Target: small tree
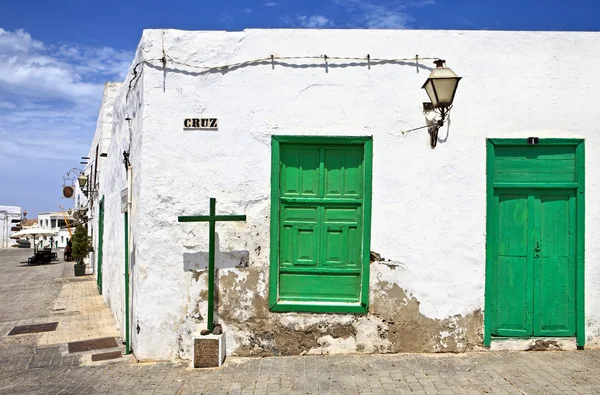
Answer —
(81, 244)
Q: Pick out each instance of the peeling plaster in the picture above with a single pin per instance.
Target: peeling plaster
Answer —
(394, 324)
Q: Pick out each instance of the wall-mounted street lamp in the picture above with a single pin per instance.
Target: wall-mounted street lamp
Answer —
(83, 182)
(80, 214)
(441, 88)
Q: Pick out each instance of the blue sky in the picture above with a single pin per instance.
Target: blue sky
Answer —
(55, 56)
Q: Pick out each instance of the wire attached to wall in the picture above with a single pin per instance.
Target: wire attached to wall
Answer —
(165, 59)
(272, 60)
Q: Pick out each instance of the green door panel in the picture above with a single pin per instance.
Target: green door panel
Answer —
(343, 173)
(342, 237)
(306, 240)
(554, 270)
(299, 241)
(535, 164)
(512, 278)
(339, 287)
(300, 170)
(321, 215)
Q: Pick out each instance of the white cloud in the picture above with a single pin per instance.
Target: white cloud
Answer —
(314, 21)
(50, 95)
(248, 10)
(271, 4)
(375, 15)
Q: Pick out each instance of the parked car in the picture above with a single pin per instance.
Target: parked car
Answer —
(24, 244)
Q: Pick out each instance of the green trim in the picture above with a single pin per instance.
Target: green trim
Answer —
(504, 338)
(490, 243)
(99, 255)
(219, 218)
(321, 139)
(274, 251)
(536, 185)
(580, 292)
(319, 308)
(543, 141)
(491, 240)
(368, 151)
(324, 200)
(322, 270)
(211, 266)
(333, 307)
(127, 329)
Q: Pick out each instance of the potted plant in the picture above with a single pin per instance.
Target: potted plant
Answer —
(80, 249)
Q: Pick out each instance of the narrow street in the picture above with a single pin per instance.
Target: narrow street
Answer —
(42, 363)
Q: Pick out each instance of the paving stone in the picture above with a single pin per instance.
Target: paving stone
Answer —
(30, 366)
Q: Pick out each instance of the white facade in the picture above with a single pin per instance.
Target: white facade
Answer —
(428, 206)
(57, 222)
(97, 154)
(10, 217)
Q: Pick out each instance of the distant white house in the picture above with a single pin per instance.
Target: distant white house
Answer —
(10, 219)
(56, 221)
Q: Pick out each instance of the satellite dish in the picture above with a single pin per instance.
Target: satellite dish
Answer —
(68, 192)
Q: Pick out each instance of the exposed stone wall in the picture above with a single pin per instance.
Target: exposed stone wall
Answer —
(394, 323)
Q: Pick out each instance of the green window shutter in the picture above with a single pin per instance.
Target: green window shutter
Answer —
(321, 208)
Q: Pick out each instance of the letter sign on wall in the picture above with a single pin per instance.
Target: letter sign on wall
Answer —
(201, 123)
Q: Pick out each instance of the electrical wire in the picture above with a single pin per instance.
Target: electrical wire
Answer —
(367, 58)
(166, 58)
(271, 59)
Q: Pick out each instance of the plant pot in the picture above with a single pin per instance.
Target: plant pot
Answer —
(79, 270)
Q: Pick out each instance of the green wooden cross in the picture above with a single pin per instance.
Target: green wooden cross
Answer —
(211, 219)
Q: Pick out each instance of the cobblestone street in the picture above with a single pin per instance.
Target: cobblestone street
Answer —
(32, 364)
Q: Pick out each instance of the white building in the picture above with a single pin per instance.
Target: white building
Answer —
(10, 220)
(475, 241)
(58, 222)
(88, 197)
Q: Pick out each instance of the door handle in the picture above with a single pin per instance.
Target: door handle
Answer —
(537, 249)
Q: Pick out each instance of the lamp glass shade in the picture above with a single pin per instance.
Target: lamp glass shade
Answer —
(82, 179)
(441, 86)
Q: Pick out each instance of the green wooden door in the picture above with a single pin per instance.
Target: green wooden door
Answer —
(512, 296)
(555, 263)
(534, 265)
(321, 204)
(100, 242)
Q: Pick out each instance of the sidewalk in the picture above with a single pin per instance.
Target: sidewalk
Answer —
(40, 363)
(81, 314)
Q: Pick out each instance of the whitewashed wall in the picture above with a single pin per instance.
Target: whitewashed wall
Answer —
(7, 215)
(102, 138)
(124, 135)
(428, 205)
(113, 258)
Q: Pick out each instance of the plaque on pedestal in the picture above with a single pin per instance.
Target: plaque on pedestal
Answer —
(209, 351)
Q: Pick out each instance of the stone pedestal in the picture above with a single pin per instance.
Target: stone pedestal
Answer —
(209, 351)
